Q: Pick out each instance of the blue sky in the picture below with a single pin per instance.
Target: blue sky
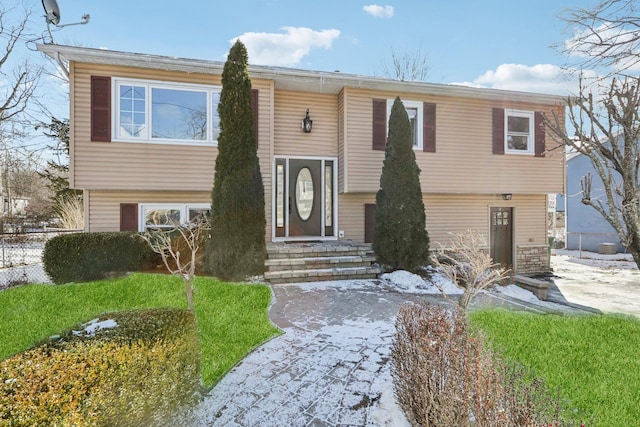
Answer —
(490, 43)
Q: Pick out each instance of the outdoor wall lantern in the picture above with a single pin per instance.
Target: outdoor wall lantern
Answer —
(307, 123)
(506, 196)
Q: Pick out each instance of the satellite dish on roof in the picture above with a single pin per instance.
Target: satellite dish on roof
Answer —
(52, 16)
(52, 11)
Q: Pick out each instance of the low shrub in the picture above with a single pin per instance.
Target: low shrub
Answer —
(80, 257)
(446, 376)
(140, 372)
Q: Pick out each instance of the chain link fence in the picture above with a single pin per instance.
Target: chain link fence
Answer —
(21, 257)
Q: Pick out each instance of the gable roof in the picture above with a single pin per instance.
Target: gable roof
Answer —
(287, 78)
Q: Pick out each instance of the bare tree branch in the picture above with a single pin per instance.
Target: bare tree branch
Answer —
(22, 82)
(605, 36)
(180, 249)
(608, 133)
(407, 66)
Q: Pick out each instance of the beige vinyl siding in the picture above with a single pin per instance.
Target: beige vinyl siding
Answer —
(351, 214)
(102, 208)
(290, 109)
(464, 161)
(72, 127)
(341, 143)
(145, 166)
(362, 163)
(449, 213)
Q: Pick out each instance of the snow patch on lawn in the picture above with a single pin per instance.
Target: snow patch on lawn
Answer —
(93, 326)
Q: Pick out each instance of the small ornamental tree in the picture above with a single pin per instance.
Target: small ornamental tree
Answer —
(236, 245)
(466, 262)
(179, 248)
(401, 240)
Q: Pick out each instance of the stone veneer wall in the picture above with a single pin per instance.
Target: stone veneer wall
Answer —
(532, 259)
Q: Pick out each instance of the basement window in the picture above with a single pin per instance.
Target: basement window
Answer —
(158, 216)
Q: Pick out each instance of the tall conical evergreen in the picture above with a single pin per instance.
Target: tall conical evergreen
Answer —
(236, 244)
(401, 241)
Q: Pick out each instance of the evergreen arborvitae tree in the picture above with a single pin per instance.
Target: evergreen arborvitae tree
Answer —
(401, 241)
(236, 242)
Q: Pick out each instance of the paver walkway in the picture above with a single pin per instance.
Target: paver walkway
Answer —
(330, 367)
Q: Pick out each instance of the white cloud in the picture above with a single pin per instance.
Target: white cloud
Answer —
(540, 78)
(379, 11)
(285, 49)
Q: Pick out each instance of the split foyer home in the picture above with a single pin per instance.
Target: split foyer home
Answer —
(143, 148)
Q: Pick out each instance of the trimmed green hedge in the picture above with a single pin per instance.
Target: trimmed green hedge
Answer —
(82, 257)
(141, 369)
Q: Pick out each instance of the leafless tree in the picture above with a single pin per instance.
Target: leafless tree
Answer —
(18, 83)
(466, 262)
(180, 249)
(607, 131)
(606, 36)
(406, 66)
(21, 81)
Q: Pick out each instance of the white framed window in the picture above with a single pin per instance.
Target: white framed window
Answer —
(160, 112)
(414, 110)
(166, 215)
(519, 132)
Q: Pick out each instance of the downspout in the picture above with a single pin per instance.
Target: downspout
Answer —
(63, 68)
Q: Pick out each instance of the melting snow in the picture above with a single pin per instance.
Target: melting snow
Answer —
(332, 363)
(91, 327)
(405, 281)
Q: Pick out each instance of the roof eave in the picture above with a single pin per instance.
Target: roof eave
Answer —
(288, 78)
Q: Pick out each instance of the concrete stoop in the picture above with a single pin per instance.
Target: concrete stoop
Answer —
(319, 261)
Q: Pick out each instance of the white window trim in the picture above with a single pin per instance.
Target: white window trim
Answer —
(419, 106)
(149, 85)
(520, 113)
(182, 207)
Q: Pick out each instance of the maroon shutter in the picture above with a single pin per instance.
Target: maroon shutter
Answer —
(369, 222)
(539, 132)
(498, 131)
(128, 217)
(101, 108)
(379, 136)
(254, 107)
(429, 127)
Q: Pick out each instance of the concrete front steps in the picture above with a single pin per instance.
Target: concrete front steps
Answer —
(319, 261)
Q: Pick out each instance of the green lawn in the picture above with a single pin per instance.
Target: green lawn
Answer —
(595, 360)
(232, 318)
